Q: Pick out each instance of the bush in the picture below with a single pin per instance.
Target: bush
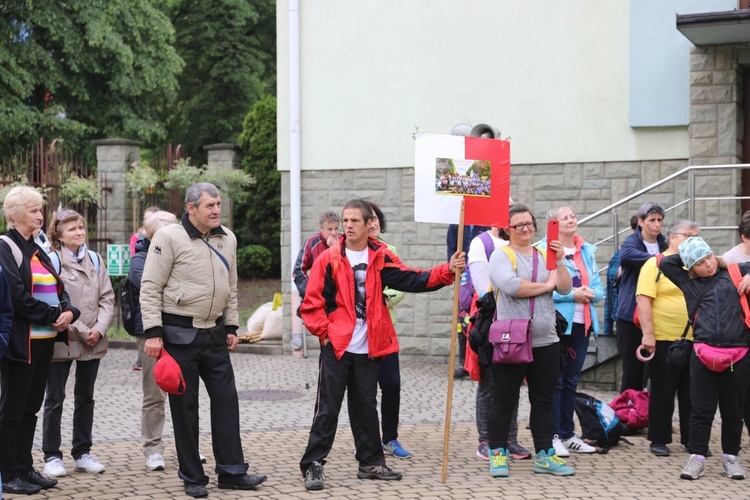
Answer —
(254, 261)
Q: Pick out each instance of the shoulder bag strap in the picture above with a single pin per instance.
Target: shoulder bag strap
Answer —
(223, 260)
(734, 272)
(534, 269)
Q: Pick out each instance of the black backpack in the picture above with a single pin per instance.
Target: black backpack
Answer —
(129, 304)
(599, 424)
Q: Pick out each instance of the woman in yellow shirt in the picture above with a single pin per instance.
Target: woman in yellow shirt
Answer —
(663, 316)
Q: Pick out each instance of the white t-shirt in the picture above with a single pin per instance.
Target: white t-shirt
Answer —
(479, 264)
(735, 255)
(359, 260)
(652, 248)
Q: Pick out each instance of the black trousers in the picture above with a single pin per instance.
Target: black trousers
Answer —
(83, 410)
(666, 381)
(358, 374)
(628, 340)
(21, 394)
(728, 389)
(205, 359)
(389, 380)
(542, 375)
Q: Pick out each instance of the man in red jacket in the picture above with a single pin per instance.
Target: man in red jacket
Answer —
(345, 309)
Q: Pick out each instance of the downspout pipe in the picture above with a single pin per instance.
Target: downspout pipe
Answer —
(295, 165)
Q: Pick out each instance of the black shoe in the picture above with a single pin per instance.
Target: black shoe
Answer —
(34, 477)
(20, 486)
(195, 490)
(660, 450)
(460, 372)
(382, 472)
(240, 482)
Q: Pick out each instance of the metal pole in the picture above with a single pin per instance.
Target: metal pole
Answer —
(691, 194)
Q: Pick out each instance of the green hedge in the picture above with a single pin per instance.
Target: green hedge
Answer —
(254, 261)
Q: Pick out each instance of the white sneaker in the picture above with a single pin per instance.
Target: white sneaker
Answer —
(88, 463)
(54, 467)
(577, 445)
(560, 449)
(203, 459)
(155, 462)
(732, 467)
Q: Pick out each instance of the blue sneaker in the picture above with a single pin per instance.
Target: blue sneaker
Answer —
(549, 463)
(499, 463)
(394, 448)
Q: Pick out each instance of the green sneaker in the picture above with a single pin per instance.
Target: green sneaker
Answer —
(549, 463)
(499, 462)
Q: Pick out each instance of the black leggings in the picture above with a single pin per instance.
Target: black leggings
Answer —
(542, 375)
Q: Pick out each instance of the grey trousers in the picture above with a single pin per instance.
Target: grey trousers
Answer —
(152, 413)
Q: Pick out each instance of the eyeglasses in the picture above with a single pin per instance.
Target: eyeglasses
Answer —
(519, 227)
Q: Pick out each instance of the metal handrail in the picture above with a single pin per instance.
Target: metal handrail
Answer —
(690, 171)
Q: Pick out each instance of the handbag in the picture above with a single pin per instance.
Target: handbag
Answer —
(511, 338)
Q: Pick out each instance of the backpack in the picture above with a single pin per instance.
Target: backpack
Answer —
(466, 290)
(56, 260)
(631, 407)
(129, 304)
(736, 275)
(599, 423)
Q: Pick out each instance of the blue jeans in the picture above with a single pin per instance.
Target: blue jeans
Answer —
(564, 402)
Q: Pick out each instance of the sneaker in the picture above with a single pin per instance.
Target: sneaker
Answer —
(382, 472)
(34, 477)
(549, 463)
(203, 459)
(314, 477)
(499, 463)
(137, 366)
(155, 462)
(693, 468)
(577, 445)
(459, 373)
(732, 467)
(394, 448)
(483, 450)
(54, 467)
(88, 463)
(560, 449)
(518, 452)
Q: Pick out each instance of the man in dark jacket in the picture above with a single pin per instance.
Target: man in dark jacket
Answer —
(645, 242)
(345, 309)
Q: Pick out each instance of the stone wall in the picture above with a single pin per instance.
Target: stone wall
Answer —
(424, 320)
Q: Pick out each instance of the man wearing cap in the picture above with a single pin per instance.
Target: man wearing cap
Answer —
(645, 242)
(189, 308)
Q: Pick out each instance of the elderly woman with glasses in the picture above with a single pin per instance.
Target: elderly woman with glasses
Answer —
(85, 276)
(41, 314)
(512, 271)
(577, 306)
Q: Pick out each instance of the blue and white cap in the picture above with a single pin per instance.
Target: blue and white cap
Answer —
(693, 250)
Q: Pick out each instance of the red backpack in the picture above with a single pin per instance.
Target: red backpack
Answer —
(631, 407)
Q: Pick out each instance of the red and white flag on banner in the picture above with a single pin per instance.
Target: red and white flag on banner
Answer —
(449, 167)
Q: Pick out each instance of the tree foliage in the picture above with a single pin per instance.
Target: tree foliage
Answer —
(258, 220)
(229, 50)
(84, 70)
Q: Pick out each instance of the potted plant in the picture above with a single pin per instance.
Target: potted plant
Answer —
(140, 179)
(82, 190)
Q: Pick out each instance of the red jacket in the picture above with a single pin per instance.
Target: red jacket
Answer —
(328, 307)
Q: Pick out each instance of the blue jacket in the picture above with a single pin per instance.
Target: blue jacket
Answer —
(564, 303)
(633, 255)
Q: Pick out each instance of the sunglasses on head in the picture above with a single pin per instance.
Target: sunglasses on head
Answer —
(65, 214)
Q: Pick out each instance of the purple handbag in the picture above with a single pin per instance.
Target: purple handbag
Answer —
(511, 338)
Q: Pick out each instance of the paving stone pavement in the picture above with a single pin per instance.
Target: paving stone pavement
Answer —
(276, 410)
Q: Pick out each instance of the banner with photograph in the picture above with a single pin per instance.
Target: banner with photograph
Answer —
(448, 168)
